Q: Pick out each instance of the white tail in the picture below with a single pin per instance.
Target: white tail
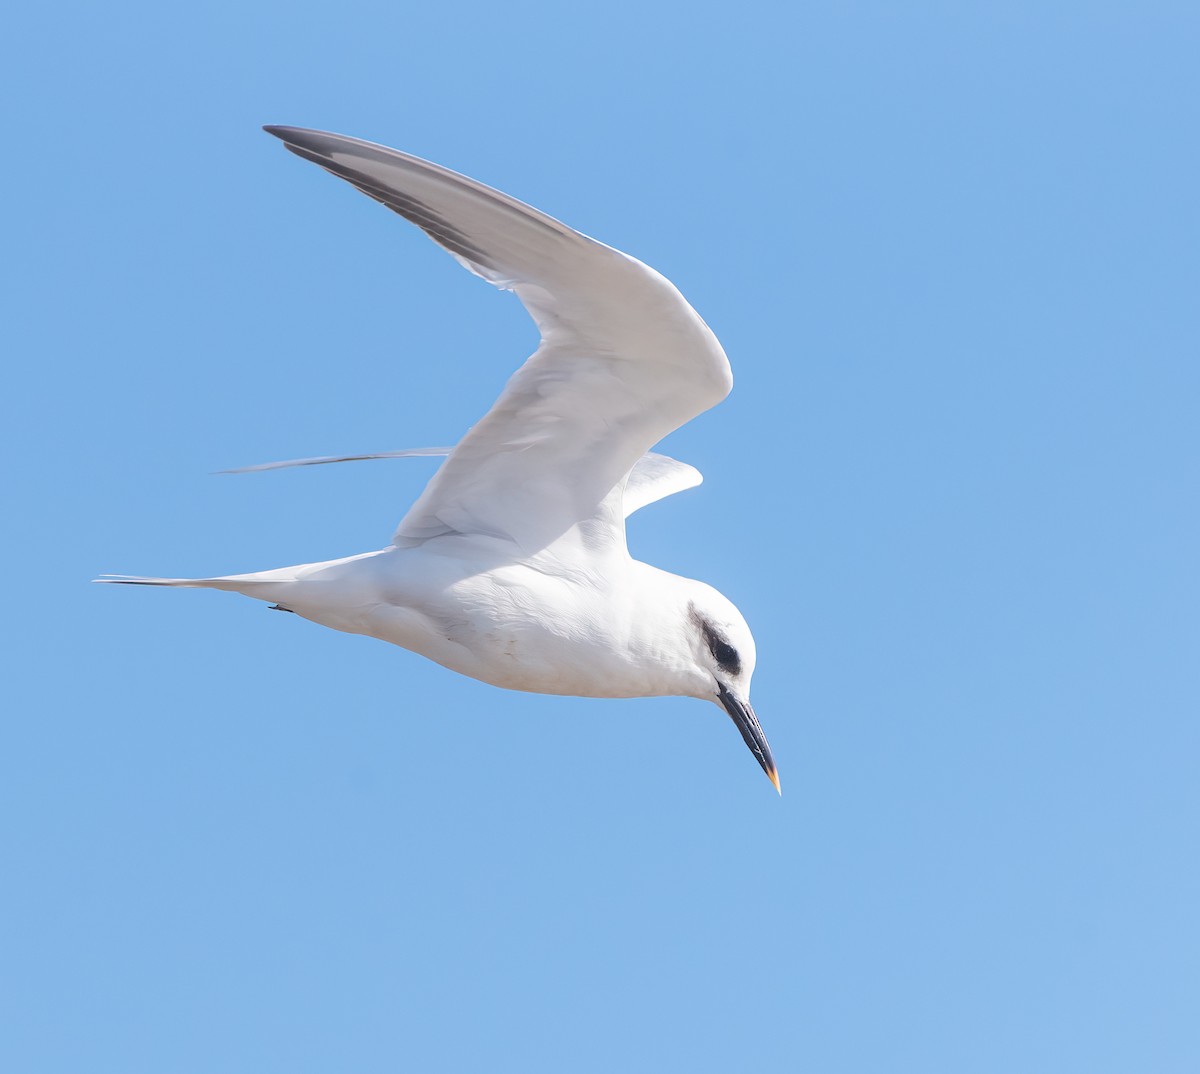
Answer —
(266, 585)
(233, 584)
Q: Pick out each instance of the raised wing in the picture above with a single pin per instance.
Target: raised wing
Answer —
(652, 478)
(623, 361)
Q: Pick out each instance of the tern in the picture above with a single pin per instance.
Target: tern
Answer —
(512, 565)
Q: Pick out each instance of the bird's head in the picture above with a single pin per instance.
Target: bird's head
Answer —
(724, 655)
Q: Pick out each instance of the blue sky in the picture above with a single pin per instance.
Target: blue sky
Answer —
(952, 252)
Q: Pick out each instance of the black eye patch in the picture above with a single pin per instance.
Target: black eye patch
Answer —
(726, 655)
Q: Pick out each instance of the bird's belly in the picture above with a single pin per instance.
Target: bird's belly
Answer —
(537, 652)
(540, 662)
(513, 626)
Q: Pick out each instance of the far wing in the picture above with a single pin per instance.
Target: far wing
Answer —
(652, 478)
(623, 361)
(655, 477)
(324, 460)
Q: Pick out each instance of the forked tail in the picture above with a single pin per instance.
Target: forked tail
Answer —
(266, 585)
(137, 579)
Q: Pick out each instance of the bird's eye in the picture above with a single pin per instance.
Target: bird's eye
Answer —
(723, 653)
(727, 657)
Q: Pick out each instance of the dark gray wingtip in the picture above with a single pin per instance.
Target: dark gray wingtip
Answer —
(310, 138)
(320, 148)
(297, 139)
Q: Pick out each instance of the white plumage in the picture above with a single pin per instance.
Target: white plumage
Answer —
(512, 567)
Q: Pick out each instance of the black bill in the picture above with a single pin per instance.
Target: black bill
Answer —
(752, 732)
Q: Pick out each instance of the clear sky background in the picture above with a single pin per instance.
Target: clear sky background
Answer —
(953, 252)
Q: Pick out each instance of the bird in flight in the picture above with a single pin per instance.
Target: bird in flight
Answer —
(512, 565)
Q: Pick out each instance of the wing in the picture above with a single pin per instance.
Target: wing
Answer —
(652, 478)
(623, 360)
(324, 460)
(655, 477)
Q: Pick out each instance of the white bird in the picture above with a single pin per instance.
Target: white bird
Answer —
(512, 566)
